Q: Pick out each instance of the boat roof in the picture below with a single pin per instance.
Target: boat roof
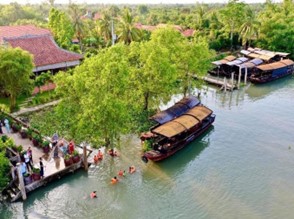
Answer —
(184, 122)
(176, 110)
(224, 60)
(237, 61)
(252, 63)
(262, 53)
(276, 65)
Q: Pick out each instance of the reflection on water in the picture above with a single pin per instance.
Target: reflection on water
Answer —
(241, 168)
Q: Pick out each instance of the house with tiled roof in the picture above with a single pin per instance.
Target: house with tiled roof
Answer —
(47, 55)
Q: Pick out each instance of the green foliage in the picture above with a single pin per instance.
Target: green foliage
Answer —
(37, 137)
(45, 144)
(15, 70)
(61, 26)
(4, 169)
(147, 146)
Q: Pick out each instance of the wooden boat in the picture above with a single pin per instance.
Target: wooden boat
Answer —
(272, 71)
(166, 139)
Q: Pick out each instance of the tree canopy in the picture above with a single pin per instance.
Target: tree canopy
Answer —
(16, 67)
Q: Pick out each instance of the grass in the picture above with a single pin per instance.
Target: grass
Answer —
(38, 99)
(5, 100)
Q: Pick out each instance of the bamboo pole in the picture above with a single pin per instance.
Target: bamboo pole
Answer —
(239, 78)
(85, 159)
(246, 72)
(21, 182)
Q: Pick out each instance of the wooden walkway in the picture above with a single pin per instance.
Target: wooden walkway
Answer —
(36, 108)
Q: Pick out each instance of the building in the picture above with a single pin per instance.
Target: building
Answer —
(47, 55)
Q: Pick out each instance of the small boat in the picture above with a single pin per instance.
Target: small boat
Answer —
(269, 72)
(165, 140)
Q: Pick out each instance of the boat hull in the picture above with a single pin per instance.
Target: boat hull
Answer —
(156, 155)
(258, 80)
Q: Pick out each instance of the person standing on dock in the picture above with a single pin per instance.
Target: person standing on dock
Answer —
(30, 153)
(71, 147)
(7, 126)
(41, 168)
(27, 161)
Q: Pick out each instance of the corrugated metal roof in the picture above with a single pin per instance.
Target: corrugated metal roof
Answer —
(237, 61)
(176, 110)
(275, 65)
(184, 122)
(252, 63)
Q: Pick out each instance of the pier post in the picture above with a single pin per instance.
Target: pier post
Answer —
(225, 83)
(239, 78)
(246, 72)
(85, 159)
(21, 183)
(232, 78)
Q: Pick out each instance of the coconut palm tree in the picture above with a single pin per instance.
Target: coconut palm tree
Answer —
(75, 14)
(104, 27)
(127, 30)
(249, 29)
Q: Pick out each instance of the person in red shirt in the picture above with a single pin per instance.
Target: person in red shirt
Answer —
(71, 147)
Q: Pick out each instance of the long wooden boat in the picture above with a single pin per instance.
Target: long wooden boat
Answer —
(273, 71)
(168, 138)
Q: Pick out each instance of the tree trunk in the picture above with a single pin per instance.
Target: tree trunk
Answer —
(107, 141)
(146, 99)
(185, 91)
(12, 102)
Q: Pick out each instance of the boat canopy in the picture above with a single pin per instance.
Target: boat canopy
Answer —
(252, 63)
(176, 110)
(276, 65)
(183, 123)
(237, 61)
(224, 60)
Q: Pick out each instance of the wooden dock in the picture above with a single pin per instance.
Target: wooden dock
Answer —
(54, 168)
(223, 83)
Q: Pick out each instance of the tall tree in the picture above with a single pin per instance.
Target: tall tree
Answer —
(101, 81)
(61, 26)
(15, 70)
(127, 30)
(232, 17)
(75, 14)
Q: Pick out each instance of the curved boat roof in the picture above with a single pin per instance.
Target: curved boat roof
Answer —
(276, 65)
(224, 60)
(184, 122)
(237, 61)
(176, 110)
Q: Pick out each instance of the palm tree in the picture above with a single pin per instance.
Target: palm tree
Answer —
(104, 27)
(249, 29)
(78, 25)
(127, 30)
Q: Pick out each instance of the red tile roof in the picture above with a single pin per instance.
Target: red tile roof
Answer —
(188, 32)
(23, 30)
(97, 16)
(145, 27)
(44, 50)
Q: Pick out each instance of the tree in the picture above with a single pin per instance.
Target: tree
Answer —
(96, 96)
(42, 79)
(249, 29)
(194, 60)
(154, 72)
(127, 31)
(15, 70)
(62, 28)
(78, 25)
(232, 17)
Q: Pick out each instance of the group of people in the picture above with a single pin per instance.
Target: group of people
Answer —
(62, 145)
(6, 124)
(98, 157)
(26, 163)
(121, 172)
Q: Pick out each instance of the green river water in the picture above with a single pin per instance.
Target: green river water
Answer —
(243, 167)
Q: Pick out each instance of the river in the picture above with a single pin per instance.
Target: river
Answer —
(241, 168)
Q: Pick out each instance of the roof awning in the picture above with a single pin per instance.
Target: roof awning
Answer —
(252, 63)
(183, 123)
